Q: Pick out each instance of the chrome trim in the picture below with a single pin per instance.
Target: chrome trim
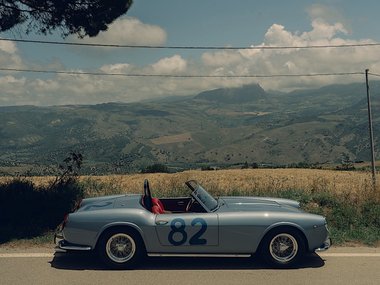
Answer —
(325, 246)
(75, 247)
(61, 244)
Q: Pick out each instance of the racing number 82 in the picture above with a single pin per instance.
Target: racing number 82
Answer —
(178, 227)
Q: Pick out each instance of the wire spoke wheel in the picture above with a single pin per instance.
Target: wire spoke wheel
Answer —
(283, 247)
(120, 247)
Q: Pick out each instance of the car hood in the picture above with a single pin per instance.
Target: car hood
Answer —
(258, 204)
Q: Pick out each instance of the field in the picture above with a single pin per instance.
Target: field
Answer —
(346, 198)
(242, 182)
(354, 184)
(229, 182)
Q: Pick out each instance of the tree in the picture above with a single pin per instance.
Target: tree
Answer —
(80, 17)
(155, 168)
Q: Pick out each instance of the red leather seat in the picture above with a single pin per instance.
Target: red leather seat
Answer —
(158, 207)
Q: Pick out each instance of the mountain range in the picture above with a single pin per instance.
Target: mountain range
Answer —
(216, 128)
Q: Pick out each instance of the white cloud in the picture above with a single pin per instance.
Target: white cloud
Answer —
(11, 80)
(323, 31)
(297, 61)
(116, 68)
(9, 57)
(86, 89)
(327, 13)
(130, 31)
(221, 58)
(170, 65)
(8, 47)
(49, 85)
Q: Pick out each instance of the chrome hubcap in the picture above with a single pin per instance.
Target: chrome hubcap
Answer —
(283, 247)
(120, 248)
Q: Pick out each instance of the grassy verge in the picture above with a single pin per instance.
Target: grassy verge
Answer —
(45, 239)
(346, 199)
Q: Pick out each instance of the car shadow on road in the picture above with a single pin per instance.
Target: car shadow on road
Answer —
(89, 261)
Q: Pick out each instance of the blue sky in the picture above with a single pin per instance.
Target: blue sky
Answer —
(199, 23)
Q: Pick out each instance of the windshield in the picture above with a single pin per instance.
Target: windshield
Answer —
(202, 196)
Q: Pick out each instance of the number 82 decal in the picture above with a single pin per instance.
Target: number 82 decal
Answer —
(178, 228)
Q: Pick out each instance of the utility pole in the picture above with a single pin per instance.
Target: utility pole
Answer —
(370, 131)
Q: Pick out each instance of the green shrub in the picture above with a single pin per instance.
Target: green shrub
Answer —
(156, 168)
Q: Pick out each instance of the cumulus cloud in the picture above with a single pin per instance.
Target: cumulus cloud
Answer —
(9, 57)
(170, 65)
(87, 89)
(298, 61)
(327, 13)
(8, 47)
(130, 31)
(221, 58)
(116, 68)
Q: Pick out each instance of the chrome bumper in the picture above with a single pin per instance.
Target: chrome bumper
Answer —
(325, 246)
(62, 244)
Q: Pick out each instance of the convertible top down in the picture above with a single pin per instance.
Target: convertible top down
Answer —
(125, 228)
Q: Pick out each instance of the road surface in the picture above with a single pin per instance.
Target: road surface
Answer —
(340, 265)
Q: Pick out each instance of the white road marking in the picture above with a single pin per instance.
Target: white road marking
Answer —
(349, 254)
(34, 254)
(51, 255)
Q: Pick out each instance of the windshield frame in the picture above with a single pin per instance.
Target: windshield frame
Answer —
(205, 199)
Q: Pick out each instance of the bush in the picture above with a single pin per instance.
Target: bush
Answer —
(156, 168)
(27, 210)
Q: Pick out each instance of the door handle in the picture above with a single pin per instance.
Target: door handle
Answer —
(161, 222)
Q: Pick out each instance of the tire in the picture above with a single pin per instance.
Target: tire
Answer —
(283, 247)
(121, 248)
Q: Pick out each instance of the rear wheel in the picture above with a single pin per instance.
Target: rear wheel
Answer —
(283, 247)
(121, 248)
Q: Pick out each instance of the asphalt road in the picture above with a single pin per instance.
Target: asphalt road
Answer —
(342, 265)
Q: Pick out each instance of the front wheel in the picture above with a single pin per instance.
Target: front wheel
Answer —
(121, 249)
(283, 248)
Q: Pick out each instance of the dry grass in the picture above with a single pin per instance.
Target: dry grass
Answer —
(265, 180)
(186, 137)
(227, 182)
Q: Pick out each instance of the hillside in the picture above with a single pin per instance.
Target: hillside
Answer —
(209, 129)
(240, 95)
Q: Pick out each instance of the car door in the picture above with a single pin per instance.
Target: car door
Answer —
(187, 232)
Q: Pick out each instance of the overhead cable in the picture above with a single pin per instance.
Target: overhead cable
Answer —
(259, 47)
(68, 72)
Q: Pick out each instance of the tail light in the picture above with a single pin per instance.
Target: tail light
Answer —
(78, 204)
(65, 218)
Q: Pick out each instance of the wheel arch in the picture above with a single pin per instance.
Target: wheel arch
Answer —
(122, 226)
(283, 226)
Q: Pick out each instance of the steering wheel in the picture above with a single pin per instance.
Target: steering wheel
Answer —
(190, 204)
(147, 198)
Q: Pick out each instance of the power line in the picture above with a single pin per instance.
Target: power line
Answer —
(67, 72)
(374, 74)
(190, 47)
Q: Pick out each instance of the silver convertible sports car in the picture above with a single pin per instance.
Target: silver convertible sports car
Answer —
(125, 228)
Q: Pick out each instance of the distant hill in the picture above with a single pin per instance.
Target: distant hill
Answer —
(222, 127)
(238, 95)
